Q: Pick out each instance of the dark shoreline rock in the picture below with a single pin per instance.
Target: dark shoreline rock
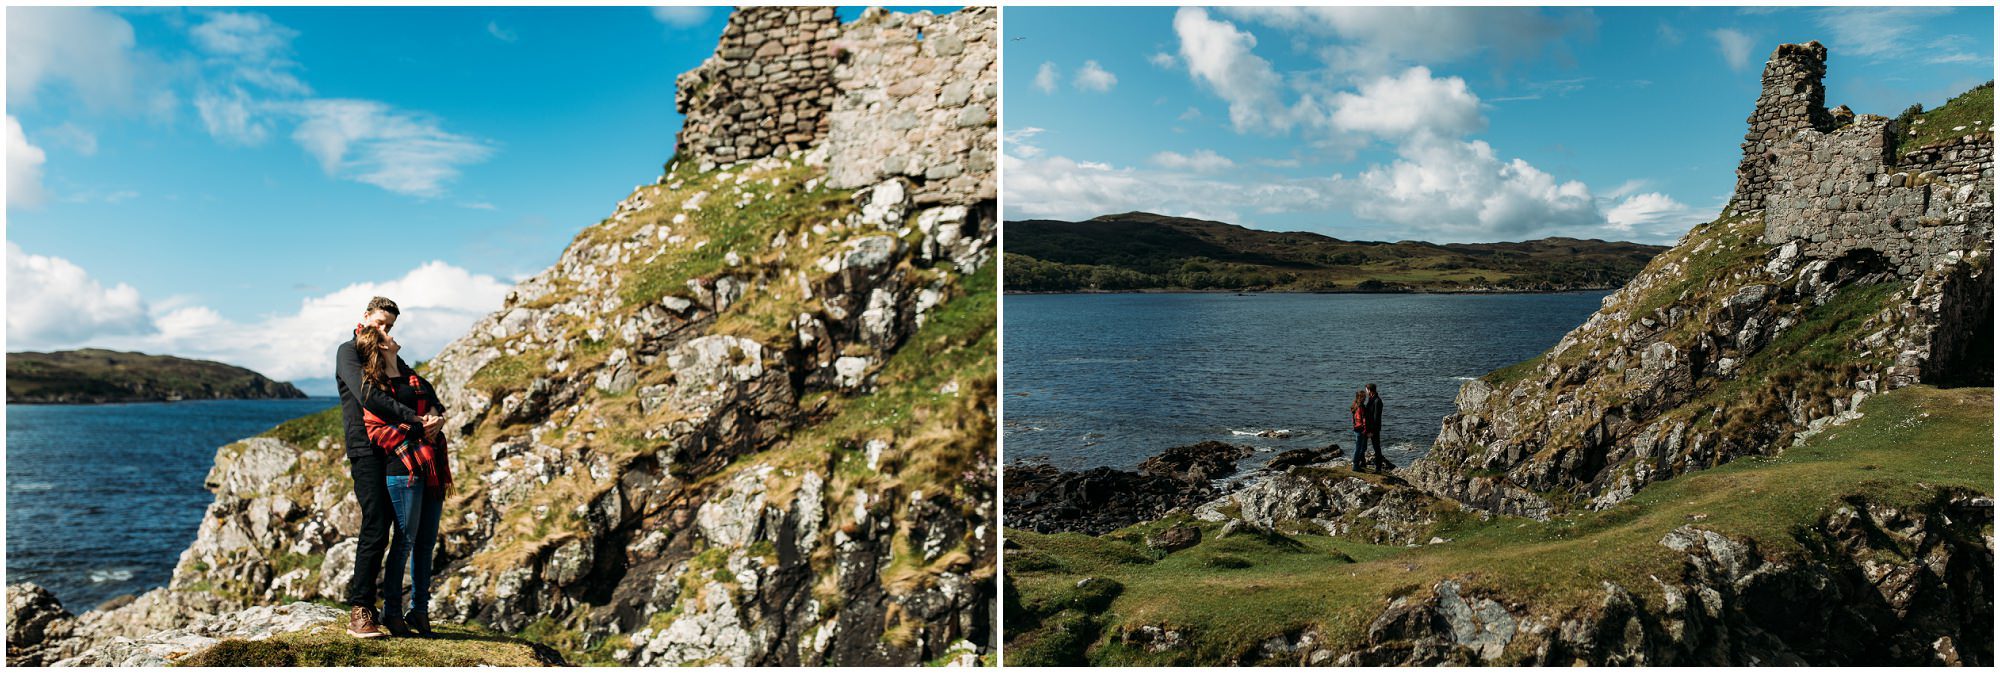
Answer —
(1047, 499)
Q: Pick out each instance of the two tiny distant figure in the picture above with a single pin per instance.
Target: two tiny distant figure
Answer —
(1367, 409)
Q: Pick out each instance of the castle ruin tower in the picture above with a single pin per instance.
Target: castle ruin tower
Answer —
(1794, 99)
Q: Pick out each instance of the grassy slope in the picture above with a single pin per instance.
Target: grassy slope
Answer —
(329, 645)
(1145, 251)
(1955, 118)
(1909, 445)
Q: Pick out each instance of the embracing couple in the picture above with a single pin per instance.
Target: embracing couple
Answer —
(396, 454)
(1367, 410)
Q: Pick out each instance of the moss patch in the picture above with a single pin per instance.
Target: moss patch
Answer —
(330, 645)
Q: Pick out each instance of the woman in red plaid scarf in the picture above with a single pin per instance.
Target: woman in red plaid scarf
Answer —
(418, 473)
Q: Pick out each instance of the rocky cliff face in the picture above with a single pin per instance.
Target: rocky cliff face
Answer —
(747, 419)
(1841, 272)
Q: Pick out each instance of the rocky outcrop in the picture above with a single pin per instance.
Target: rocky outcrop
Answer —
(1328, 499)
(173, 645)
(1044, 499)
(1195, 463)
(1887, 587)
(37, 626)
(745, 419)
(1840, 275)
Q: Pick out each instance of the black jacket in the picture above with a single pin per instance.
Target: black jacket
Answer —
(1371, 408)
(356, 395)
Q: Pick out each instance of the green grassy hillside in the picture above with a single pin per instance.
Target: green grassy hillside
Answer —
(1143, 251)
(1072, 596)
(95, 375)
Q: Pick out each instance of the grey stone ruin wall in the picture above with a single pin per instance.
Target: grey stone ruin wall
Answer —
(1835, 193)
(918, 98)
(767, 90)
(1793, 99)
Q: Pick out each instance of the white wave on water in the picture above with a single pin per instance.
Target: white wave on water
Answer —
(110, 575)
(1275, 434)
(34, 486)
(1465, 378)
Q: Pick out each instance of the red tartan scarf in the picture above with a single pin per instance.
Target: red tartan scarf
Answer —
(418, 457)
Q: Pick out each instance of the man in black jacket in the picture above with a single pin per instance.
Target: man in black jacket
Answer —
(1372, 409)
(365, 463)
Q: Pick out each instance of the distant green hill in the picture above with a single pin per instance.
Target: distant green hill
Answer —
(1144, 251)
(95, 375)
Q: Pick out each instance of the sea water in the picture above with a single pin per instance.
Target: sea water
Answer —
(101, 499)
(1109, 379)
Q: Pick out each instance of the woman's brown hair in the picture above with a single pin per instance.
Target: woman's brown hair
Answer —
(1360, 397)
(376, 365)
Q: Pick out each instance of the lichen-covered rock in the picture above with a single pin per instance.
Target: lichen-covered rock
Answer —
(166, 647)
(1332, 501)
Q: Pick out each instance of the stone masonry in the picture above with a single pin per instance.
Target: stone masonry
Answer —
(918, 98)
(911, 98)
(1793, 99)
(766, 90)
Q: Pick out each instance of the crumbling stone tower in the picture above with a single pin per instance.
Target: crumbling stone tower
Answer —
(767, 90)
(1794, 98)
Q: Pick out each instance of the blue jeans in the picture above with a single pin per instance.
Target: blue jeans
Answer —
(417, 512)
(1361, 441)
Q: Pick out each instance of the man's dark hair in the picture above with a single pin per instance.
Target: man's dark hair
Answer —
(1371, 386)
(385, 304)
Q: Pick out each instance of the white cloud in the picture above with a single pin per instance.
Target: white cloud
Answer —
(1093, 77)
(52, 302)
(251, 37)
(1021, 142)
(1651, 213)
(67, 134)
(1202, 161)
(368, 142)
(1219, 57)
(1669, 35)
(1460, 189)
(245, 49)
(1191, 114)
(439, 303)
(231, 115)
(1878, 33)
(1065, 188)
(1161, 59)
(680, 16)
(1379, 39)
(87, 49)
(493, 28)
(1734, 45)
(1409, 104)
(24, 168)
(1045, 77)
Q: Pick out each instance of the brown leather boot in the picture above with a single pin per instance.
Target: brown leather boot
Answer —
(394, 623)
(361, 623)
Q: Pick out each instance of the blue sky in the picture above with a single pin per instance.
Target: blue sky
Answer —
(1440, 124)
(235, 183)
